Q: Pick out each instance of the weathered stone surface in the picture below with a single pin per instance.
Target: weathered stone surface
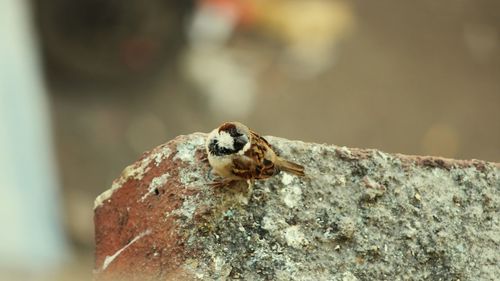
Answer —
(358, 215)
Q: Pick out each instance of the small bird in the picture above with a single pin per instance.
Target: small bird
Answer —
(237, 153)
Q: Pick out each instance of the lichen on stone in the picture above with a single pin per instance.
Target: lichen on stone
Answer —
(357, 215)
(366, 213)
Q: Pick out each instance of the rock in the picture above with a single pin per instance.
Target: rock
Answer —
(358, 215)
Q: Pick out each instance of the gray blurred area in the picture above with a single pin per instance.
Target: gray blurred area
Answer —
(412, 77)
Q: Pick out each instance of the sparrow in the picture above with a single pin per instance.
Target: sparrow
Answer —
(237, 153)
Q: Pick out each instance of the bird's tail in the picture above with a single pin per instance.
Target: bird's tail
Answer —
(291, 167)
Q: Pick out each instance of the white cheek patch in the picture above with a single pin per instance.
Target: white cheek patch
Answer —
(225, 140)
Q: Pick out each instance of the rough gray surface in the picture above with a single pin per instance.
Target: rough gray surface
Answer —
(368, 216)
(358, 215)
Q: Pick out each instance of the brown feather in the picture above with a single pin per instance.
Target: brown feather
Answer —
(290, 167)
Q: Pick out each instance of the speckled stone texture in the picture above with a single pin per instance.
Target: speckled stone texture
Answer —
(357, 215)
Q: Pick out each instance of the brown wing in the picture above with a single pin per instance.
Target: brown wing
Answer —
(261, 162)
(262, 157)
(243, 168)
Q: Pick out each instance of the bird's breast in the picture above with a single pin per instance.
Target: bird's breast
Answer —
(221, 165)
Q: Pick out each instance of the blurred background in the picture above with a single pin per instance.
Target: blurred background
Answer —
(87, 86)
